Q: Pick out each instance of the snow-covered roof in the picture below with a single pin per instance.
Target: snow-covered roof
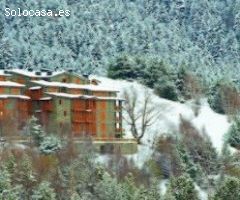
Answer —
(3, 73)
(76, 96)
(45, 98)
(10, 84)
(74, 86)
(33, 73)
(72, 96)
(6, 96)
(35, 88)
(111, 98)
(95, 80)
(42, 74)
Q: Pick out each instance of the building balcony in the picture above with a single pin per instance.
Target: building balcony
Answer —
(118, 108)
(118, 119)
(119, 130)
(83, 120)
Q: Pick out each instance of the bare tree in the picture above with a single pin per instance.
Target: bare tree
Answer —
(140, 114)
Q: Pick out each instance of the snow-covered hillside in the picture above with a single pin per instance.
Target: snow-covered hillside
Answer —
(206, 121)
(215, 125)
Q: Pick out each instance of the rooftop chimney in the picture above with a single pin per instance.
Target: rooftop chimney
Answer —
(85, 75)
(49, 73)
(38, 73)
(70, 70)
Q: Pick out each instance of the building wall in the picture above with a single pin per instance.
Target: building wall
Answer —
(10, 90)
(51, 89)
(75, 91)
(78, 80)
(61, 114)
(68, 78)
(20, 79)
(83, 117)
(35, 94)
(104, 94)
(110, 120)
(2, 78)
(105, 119)
(13, 115)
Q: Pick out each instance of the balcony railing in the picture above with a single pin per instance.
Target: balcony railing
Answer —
(119, 130)
(118, 108)
(118, 119)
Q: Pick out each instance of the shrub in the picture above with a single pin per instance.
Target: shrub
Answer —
(224, 98)
(228, 189)
(44, 192)
(166, 89)
(50, 144)
(199, 147)
(123, 67)
(182, 188)
(233, 135)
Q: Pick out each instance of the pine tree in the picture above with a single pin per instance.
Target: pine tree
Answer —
(34, 130)
(154, 70)
(228, 189)
(43, 192)
(222, 97)
(25, 176)
(5, 181)
(6, 58)
(199, 147)
(7, 190)
(109, 189)
(152, 193)
(187, 164)
(123, 67)
(50, 144)
(233, 135)
(75, 196)
(185, 91)
(166, 88)
(182, 188)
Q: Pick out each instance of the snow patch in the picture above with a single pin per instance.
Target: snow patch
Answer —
(214, 124)
(202, 194)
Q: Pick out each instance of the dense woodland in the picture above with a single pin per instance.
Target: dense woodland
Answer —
(202, 34)
(183, 50)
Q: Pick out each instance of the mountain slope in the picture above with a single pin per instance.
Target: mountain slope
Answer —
(207, 121)
(202, 34)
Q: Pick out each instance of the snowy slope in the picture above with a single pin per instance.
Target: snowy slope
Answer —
(215, 125)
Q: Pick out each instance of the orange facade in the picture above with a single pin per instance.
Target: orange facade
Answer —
(35, 94)
(14, 113)
(83, 117)
(2, 78)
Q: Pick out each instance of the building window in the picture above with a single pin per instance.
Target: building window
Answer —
(65, 113)
(64, 80)
(60, 102)
(63, 89)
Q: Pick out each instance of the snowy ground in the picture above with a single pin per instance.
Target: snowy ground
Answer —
(169, 112)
